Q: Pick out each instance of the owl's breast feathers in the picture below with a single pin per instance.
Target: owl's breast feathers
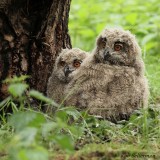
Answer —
(107, 90)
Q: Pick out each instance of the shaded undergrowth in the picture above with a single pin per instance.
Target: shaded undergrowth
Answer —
(30, 134)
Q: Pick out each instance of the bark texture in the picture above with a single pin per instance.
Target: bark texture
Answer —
(32, 33)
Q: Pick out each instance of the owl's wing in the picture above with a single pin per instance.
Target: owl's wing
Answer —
(120, 97)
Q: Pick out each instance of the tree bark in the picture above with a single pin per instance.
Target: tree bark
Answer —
(32, 33)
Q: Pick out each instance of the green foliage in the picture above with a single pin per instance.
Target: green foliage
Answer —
(30, 134)
(17, 89)
(88, 18)
(40, 96)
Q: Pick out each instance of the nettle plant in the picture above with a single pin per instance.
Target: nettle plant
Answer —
(30, 134)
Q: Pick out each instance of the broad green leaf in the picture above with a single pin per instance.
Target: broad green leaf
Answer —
(38, 153)
(27, 136)
(65, 142)
(17, 89)
(16, 79)
(62, 115)
(30, 153)
(20, 120)
(48, 127)
(40, 96)
(72, 112)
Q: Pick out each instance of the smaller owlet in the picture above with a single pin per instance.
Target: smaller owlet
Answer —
(111, 81)
(66, 63)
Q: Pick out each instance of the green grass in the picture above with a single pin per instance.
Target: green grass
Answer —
(153, 73)
(29, 134)
(68, 134)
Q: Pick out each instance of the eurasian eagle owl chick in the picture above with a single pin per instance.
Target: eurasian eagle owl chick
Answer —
(66, 63)
(111, 81)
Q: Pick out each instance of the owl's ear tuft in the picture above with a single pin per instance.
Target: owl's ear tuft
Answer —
(101, 42)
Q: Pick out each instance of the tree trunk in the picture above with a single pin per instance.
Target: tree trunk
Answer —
(31, 35)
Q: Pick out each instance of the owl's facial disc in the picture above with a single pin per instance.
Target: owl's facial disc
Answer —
(66, 68)
(69, 68)
(115, 55)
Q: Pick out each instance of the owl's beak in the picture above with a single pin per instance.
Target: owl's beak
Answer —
(106, 54)
(67, 70)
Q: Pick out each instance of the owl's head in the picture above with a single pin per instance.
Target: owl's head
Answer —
(117, 47)
(67, 62)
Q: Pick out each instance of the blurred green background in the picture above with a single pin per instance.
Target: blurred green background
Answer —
(142, 18)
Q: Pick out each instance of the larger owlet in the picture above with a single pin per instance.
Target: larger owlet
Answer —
(111, 81)
(66, 63)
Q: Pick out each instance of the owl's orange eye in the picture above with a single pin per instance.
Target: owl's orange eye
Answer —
(62, 63)
(118, 47)
(76, 64)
